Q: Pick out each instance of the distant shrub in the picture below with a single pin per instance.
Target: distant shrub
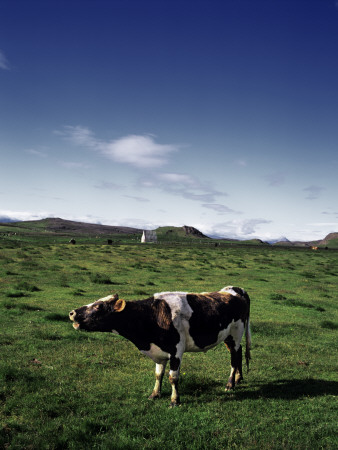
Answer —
(100, 278)
(140, 292)
(23, 285)
(277, 297)
(20, 306)
(15, 294)
(328, 324)
(78, 292)
(308, 275)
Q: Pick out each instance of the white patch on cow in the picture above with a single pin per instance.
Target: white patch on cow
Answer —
(236, 331)
(179, 306)
(104, 299)
(180, 314)
(230, 290)
(156, 354)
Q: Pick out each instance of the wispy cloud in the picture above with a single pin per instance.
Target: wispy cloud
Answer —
(78, 135)
(138, 199)
(4, 64)
(108, 185)
(313, 192)
(241, 162)
(249, 227)
(135, 150)
(330, 213)
(275, 178)
(235, 229)
(183, 185)
(74, 165)
(220, 209)
(38, 153)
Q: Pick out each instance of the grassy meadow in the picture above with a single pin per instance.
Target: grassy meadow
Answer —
(65, 389)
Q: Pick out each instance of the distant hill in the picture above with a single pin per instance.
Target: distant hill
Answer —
(57, 225)
(61, 227)
(330, 241)
(179, 233)
(282, 240)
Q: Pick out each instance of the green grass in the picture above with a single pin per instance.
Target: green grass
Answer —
(65, 389)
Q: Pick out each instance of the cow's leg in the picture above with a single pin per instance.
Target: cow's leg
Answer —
(230, 343)
(173, 378)
(239, 373)
(159, 372)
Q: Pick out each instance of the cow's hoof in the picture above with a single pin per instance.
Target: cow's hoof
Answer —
(174, 404)
(154, 396)
(228, 389)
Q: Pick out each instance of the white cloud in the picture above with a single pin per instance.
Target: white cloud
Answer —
(4, 64)
(235, 229)
(14, 216)
(136, 150)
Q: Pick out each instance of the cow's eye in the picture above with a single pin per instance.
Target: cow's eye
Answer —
(97, 307)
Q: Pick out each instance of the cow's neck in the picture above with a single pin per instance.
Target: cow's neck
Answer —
(134, 323)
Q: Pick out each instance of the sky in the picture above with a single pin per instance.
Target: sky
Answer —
(217, 114)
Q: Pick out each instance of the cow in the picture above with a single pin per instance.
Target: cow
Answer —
(167, 324)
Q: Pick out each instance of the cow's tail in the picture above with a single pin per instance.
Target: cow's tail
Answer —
(247, 336)
(247, 343)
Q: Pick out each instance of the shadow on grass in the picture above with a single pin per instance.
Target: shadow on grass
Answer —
(290, 389)
(57, 317)
(279, 389)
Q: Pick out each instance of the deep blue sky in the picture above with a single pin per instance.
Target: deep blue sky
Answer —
(217, 114)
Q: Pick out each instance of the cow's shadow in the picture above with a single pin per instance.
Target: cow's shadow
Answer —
(288, 389)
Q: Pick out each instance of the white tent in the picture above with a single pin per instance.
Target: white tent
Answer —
(149, 236)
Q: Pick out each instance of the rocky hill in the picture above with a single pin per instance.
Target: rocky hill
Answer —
(193, 232)
(331, 241)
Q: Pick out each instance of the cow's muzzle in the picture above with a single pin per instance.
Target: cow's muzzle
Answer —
(72, 315)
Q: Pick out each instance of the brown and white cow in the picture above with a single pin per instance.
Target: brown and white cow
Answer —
(168, 324)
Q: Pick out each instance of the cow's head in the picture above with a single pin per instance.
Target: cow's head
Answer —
(98, 316)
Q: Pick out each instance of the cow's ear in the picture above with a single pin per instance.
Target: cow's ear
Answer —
(114, 297)
(119, 305)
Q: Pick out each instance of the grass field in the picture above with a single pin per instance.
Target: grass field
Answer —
(65, 389)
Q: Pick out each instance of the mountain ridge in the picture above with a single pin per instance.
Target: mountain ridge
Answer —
(61, 226)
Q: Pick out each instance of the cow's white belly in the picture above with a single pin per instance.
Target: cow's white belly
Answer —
(192, 347)
(234, 328)
(156, 354)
